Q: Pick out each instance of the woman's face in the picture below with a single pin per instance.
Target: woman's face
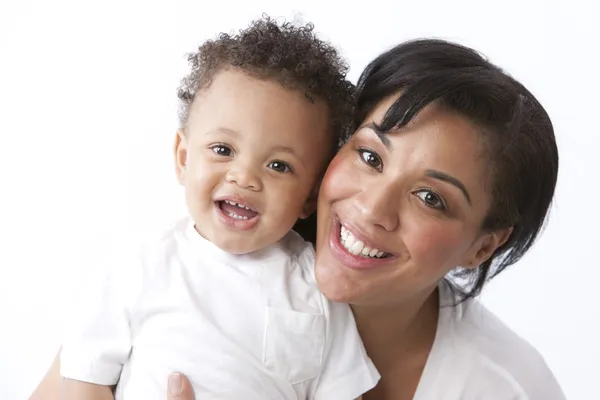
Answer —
(398, 211)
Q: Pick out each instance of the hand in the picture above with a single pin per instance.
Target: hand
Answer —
(179, 388)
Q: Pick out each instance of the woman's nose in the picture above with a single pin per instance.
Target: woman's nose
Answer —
(379, 206)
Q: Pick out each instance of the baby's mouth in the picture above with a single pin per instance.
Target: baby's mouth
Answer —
(236, 210)
(358, 248)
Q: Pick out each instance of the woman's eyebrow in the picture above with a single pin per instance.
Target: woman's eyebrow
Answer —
(451, 180)
(380, 134)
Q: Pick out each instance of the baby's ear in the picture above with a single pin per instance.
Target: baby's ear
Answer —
(311, 202)
(180, 149)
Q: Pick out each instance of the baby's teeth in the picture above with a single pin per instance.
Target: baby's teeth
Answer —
(373, 253)
(233, 203)
(235, 216)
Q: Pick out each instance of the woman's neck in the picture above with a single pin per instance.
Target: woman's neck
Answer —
(401, 333)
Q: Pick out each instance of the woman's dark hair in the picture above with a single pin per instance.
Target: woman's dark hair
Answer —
(518, 132)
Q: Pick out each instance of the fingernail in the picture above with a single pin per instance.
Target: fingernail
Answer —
(175, 383)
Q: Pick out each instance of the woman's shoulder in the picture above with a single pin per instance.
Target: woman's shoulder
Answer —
(470, 324)
(486, 357)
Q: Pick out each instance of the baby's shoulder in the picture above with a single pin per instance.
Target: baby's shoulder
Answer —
(300, 250)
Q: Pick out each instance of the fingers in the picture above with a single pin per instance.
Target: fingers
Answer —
(179, 388)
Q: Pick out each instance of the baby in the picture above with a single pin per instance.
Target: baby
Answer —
(228, 296)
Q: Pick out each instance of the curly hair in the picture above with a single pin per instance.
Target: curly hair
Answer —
(289, 54)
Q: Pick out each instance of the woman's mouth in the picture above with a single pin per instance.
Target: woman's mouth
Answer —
(358, 247)
(354, 252)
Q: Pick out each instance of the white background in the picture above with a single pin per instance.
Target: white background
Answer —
(88, 115)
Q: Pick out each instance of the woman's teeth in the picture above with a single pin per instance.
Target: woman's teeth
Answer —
(357, 247)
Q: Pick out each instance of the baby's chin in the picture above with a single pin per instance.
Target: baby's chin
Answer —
(237, 247)
(243, 244)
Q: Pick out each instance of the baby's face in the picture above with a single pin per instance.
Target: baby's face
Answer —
(250, 160)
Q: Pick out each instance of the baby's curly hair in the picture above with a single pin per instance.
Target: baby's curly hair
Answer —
(289, 54)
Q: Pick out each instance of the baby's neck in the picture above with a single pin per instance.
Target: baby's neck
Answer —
(399, 333)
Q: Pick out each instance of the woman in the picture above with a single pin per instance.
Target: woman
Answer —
(450, 173)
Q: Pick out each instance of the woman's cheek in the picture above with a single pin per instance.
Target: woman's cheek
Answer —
(433, 243)
(339, 177)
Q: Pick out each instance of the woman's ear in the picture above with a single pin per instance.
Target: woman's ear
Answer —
(485, 246)
(180, 155)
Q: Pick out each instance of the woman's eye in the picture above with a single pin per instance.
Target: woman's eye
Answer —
(371, 158)
(222, 150)
(279, 166)
(431, 199)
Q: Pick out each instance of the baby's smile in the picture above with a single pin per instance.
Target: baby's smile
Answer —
(237, 210)
(236, 213)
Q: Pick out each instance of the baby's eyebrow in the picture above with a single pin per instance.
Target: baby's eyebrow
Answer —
(290, 150)
(284, 149)
(227, 131)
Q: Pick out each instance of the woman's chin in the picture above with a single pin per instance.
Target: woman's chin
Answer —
(334, 284)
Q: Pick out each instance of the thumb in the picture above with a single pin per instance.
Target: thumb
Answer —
(179, 387)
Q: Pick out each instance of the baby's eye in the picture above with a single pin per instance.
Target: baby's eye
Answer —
(431, 199)
(371, 158)
(279, 166)
(222, 150)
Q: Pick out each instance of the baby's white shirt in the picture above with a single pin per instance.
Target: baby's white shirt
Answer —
(248, 327)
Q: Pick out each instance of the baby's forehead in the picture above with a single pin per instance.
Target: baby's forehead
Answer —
(263, 99)
(265, 111)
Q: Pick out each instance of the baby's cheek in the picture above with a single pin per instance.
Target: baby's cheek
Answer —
(285, 208)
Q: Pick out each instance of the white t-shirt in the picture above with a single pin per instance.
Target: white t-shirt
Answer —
(476, 357)
(239, 327)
